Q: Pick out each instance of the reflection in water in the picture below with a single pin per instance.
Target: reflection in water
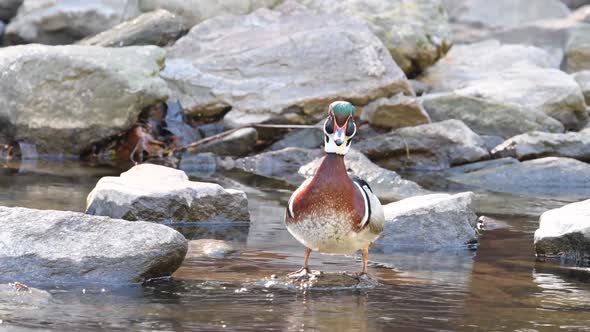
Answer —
(498, 288)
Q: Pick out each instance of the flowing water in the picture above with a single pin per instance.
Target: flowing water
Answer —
(499, 287)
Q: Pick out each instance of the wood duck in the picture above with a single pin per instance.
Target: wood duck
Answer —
(330, 212)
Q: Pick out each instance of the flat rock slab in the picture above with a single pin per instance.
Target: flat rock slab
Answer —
(538, 144)
(264, 66)
(60, 246)
(434, 146)
(64, 99)
(564, 234)
(162, 194)
(546, 177)
(429, 223)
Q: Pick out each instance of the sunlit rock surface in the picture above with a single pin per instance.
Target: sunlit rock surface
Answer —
(416, 33)
(434, 146)
(577, 51)
(59, 246)
(66, 98)
(429, 223)
(157, 193)
(160, 28)
(264, 66)
(395, 112)
(583, 79)
(65, 21)
(538, 144)
(564, 234)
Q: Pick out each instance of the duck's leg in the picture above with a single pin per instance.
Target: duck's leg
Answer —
(365, 261)
(304, 271)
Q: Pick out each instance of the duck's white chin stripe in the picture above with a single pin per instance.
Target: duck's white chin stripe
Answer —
(364, 194)
(331, 147)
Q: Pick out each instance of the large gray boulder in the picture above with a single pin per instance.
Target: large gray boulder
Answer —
(8, 9)
(197, 11)
(157, 193)
(510, 74)
(564, 234)
(538, 144)
(386, 184)
(583, 79)
(65, 21)
(395, 112)
(66, 98)
(488, 117)
(160, 28)
(309, 138)
(546, 178)
(577, 52)
(429, 223)
(434, 146)
(264, 66)
(417, 33)
(59, 246)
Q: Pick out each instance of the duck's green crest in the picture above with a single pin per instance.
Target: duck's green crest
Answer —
(342, 108)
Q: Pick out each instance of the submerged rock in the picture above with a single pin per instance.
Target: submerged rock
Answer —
(546, 177)
(564, 233)
(429, 223)
(386, 184)
(417, 33)
(65, 21)
(211, 248)
(537, 144)
(157, 193)
(59, 246)
(434, 146)
(583, 79)
(577, 52)
(265, 66)
(18, 294)
(488, 117)
(160, 28)
(61, 97)
(395, 112)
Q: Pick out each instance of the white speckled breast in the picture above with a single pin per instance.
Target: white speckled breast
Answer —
(330, 231)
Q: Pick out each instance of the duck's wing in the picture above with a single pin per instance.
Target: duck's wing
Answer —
(290, 207)
(373, 218)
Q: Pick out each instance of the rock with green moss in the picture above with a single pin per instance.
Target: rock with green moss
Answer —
(564, 234)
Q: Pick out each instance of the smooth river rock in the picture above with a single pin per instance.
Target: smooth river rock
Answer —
(564, 234)
(583, 79)
(66, 98)
(395, 112)
(538, 144)
(429, 223)
(65, 21)
(545, 178)
(386, 184)
(162, 194)
(60, 246)
(577, 52)
(434, 146)
(417, 33)
(160, 28)
(264, 66)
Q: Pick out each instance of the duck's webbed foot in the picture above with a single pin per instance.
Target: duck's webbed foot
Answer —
(302, 273)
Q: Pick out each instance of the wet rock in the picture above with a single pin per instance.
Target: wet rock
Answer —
(537, 144)
(583, 79)
(18, 294)
(64, 22)
(196, 11)
(211, 248)
(521, 77)
(564, 234)
(160, 28)
(395, 112)
(60, 246)
(577, 52)
(416, 33)
(504, 13)
(488, 117)
(429, 223)
(199, 164)
(546, 177)
(177, 124)
(157, 193)
(312, 138)
(61, 98)
(386, 184)
(434, 146)
(474, 167)
(2, 28)
(238, 143)
(281, 165)
(8, 9)
(491, 141)
(265, 66)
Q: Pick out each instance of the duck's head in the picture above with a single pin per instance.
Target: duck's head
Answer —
(339, 127)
